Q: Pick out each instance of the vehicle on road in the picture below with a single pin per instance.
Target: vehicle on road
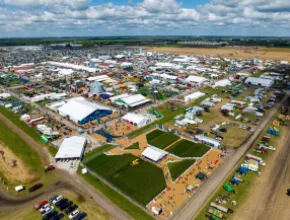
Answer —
(73, 214)
(70, 209)
(35, 187)
(40, 205)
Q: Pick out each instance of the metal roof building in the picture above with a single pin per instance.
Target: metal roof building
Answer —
(71, 148)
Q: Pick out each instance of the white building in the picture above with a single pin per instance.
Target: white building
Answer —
(222, 83)
(154, 154)
(196, 79)
(71, 148)
(136, 119)
(257, 81)
(129, 101)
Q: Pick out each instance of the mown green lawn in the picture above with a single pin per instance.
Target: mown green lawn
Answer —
(134, 146)
(154, 134)
(97, 152)
(177, 168)
(142, 182)
(164, 140)
(186, 148)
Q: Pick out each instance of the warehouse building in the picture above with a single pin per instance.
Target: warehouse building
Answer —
(71, 148)
(130, 101)
(81, 111)
(257, 81)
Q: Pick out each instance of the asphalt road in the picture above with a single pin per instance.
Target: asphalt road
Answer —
(190, 209)
(73, 182)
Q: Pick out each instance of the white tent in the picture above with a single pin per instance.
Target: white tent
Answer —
(259, 81)
(153, 153)
(72, 147)
(222, 83)
(136, 119)
(196, 79)
(193, 96)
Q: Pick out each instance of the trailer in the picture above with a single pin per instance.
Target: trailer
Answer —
(19, 188)
(251, 167)
(216, 213)
(252, 157)
(221, 208)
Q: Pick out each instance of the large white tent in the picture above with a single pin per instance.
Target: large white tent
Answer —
(222, 83)
(71, 148)
(259, 81)
(136, 119)
(193, 96)
(130, 100)
(154, 154)
(196, 79)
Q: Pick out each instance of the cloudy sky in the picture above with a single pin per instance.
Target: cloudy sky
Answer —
(36, 18)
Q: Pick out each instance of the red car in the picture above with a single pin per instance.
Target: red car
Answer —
(35, 187)
(40, 204)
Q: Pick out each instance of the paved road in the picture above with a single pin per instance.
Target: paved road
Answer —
(191, 209)
(72, 181)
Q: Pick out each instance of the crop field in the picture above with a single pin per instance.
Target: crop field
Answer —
(177, 168)
(161, 139)
(185, 148)
(142, 181)
(134, 146)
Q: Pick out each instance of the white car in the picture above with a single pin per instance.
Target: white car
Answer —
(57, 199)
(47, 210)
(46, 206)
(74, 214)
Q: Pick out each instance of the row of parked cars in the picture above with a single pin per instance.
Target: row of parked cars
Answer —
(48, 212)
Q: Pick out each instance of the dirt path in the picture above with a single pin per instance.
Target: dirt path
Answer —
(12, 168)
(68, 181)
(270, 187)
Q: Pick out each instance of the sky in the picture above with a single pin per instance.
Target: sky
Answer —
(57, 18)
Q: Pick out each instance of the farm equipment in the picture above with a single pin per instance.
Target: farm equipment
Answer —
(242, 170)
(48, 168)
(155, 112)
(258, 159)
(216, 213)
(221, 208)
(266, 139)
(273, 131)
(235, 181)
(228, 188)
(135, 162)
(211, 217)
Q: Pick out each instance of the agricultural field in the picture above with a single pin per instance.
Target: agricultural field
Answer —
(161, 139)
(178, 168)
(185, 148)
(244, 52)
(141, 181)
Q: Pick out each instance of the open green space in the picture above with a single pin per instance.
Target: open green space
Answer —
(142, 181)
(186, 148)
(134, 146)
(119, 200)
(24, 152)
(234, 137)
(161, 139)
(97, 152)
(152, 135)
(177, 168)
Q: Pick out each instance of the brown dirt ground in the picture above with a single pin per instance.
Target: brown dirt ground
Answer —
(17, 174)
(262, 53)
(267, 197)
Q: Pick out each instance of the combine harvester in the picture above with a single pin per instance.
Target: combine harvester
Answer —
(155, 112)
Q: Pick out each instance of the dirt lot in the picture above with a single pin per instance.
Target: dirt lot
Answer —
(12, 168)
(262, 53)
(267, 197)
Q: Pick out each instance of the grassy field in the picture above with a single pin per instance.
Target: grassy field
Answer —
(119, 200)
(185, 148)
(24, 152)
(134, 146)
(162, 140)
(142, 182)
(234, 137)
(97, 152)
(177, 168)
(154, 134)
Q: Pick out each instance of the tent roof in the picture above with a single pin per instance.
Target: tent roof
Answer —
(197, 79)
(71, 147)
(135, 118)
(154, 153)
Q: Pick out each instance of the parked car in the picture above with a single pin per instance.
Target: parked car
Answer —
(81, 216)
(47, 210)
(65, 205)
(49, 168)
(35, 187)
(59, 216)
(74, 214)
(49, 215)
(57, 199)
(59, 203)
(53, 197)
(44, 207)
(40, 205)
(70, 209)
